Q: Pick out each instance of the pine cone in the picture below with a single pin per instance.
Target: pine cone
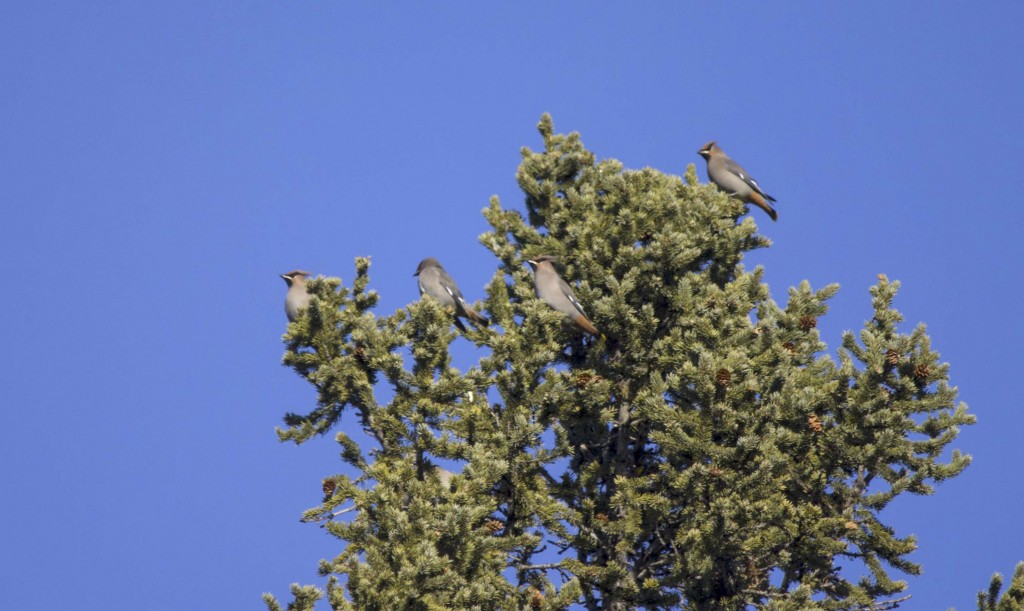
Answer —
(601, 517)
(922, 372)
(723, 378)
(790, 347)
(494, 526)
(808, 322)
(892, 358)
(329, 486)
(814, 423)
(536, 598)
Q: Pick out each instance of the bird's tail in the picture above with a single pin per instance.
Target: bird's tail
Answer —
(476, 318)
(587, 326)
(758, 201)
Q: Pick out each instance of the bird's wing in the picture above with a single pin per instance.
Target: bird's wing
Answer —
(453, 289)
(737, 170)
(567, 291)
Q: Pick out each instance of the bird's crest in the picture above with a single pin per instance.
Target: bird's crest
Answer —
(424, 264)
(705, 151)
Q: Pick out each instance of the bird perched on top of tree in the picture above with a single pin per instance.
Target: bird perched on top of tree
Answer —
(558, 294)
(297, 298)
(734, 180)
(436, 283)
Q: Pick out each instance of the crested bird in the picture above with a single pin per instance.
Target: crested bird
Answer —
(734, 180)
(436, 283)
(557, 293)
(297, 298)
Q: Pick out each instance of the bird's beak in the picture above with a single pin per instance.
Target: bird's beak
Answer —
(284, 276)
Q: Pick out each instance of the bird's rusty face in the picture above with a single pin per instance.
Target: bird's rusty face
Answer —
(296, 276)
(705, 151)
(536, 261)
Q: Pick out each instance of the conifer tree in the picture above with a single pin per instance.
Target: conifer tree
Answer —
(1011, 600)
(706, 453)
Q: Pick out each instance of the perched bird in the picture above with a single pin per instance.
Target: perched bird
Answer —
(297, 297)
(436, 283)
(445, 476)
(734, 180)
(558, 294)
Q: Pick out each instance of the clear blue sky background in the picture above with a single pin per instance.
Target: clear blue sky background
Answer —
(160, 165)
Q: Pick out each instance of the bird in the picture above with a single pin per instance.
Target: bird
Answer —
(734, 180)
(297, 298)
(558, 294)
(445, 477)
(436, 283)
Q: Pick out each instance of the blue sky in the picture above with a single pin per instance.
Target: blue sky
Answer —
(162, 164)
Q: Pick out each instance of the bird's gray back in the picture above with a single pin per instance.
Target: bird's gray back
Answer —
(726, 173)
(557, 293)
(433, 281)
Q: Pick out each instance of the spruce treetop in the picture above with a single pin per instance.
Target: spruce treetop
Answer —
(706, 453)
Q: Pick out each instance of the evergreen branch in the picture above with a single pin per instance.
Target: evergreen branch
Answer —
(884, 604)
(540, 567)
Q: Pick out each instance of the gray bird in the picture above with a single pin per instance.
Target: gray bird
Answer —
(436, 283)
(297, 297)
(558, 294)
(445, 476)
(734, 180)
